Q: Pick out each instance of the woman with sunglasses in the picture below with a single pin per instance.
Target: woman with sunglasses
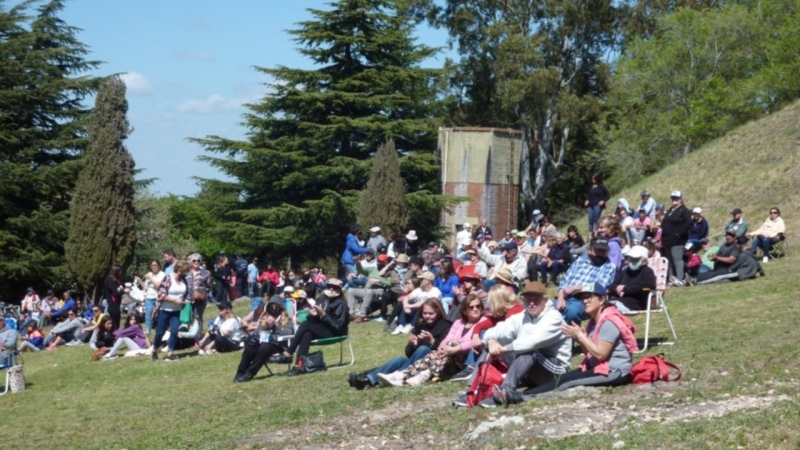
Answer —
(449, 358)
(768, 233)
(152, 280)
(263, 343)
(199, 282)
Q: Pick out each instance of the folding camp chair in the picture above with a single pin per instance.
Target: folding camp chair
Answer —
(656, 304)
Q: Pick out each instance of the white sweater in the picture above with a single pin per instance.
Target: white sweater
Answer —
(522, 334)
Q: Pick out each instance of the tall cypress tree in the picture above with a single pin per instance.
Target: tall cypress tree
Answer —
(42, 136)
(102, 228)
(310, 140)
(383, 202)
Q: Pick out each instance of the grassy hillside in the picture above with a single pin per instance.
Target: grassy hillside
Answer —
(755, 167)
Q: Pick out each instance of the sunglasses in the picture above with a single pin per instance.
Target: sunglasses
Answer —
(773, 212)
(475, 306)
(95, 310)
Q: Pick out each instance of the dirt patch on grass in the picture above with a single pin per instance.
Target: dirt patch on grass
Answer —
(589, 411)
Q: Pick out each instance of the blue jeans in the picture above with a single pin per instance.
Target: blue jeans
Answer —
(554, 271)
(149, 304)
(764, 243)
(255, 302)
(408, 319)
(574, 312)
(594, 216)
(171, 318)
(447, 302)
(349, 268)
(398, 363)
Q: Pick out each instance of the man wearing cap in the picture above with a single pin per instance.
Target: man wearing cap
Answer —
(376, 241)
(675, 233)
(462, 249)
(511, 260)
(532, 343)
(724, 260)
(699, 228)
(464, 235)
(635, 283)
(483, 229)
(536, 219)
(595, 267)
(648, 204)
(377, 280)
(737, 223)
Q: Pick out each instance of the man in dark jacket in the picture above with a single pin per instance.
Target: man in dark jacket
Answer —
(636, 281)
(556, 261)
(675, 233)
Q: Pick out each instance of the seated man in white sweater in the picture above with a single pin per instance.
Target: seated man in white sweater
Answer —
(533, 342)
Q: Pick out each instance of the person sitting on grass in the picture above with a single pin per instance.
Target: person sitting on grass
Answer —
(412, 303)
(556, 260)
(64, 332)
(8, 342)
(86, 332)
(744, 267)
(132, 336)
(34, 340)
(426, 336)
(502, 305)
(608, 343)
(532, 344)
(469, 283)
(102, 338)
(767, 233)
(264, 343)
(449, 358)
(723, 259)
(595, 267)
(188, 335)
(327, 319)
(577, 246)
(630, 292)
(225, 333)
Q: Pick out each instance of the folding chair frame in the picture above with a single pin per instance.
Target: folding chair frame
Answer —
(656, 304)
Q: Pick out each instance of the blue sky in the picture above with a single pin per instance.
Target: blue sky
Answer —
(189, 68)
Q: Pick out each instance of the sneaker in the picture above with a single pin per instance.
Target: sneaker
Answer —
(380, 320)
(675, 281)
(243, 378)
(201, 352)
(407, 329)
(108, 357)
(505, 396)
(294, 371)
(460, 402)
(464, 374)
(398, 330)
(687, 280)
(171, 358)
(389, 328)
(154, 356)
(74, 343)
(488, 403)
(765, 259)
(392, 379)
(51, 347)
(419, 379)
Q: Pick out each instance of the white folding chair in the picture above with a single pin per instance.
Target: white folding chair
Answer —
(656, 304)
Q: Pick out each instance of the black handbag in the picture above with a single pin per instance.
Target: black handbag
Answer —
(312, 362)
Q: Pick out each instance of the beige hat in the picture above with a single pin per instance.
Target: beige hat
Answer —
(505, 276)
(428, 276)
(401, 258)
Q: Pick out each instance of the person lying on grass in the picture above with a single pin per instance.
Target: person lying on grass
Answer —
(327, 319)
(532, 344)
(426, 336)
(448, 359)
(132, 337)
(608, 343)
(263, 342)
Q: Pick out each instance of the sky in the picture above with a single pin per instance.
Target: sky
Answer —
(189, 68)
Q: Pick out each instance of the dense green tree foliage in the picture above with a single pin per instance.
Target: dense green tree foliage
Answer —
(311, 139)
(42, 136)
(701, 74)
(383, 202)
(102, 228)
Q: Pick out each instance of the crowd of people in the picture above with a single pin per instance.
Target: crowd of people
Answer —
(484, 300)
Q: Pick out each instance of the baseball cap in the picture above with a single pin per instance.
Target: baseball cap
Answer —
(676, 194)
(521, 234)
(509, 246)
(644, 192)
(288, 289)
(383, 258)
(592, 288)
(375, 229)
(599, 243)
(536, 212)
(467, 225)
(697, 211)
(428, 276)
(638, 252)
(660, 207)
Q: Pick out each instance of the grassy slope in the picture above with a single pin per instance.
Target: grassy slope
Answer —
(734, 340)
(755, 167)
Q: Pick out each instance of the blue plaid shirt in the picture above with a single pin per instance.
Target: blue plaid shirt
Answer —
(583, 272)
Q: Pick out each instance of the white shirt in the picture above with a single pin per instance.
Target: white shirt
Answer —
(462, 236)
(420, 296)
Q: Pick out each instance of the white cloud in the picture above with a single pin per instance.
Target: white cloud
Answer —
(213, 103)
(137, 83)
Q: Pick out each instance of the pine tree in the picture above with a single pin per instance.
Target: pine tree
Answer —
(42, 137)
(102, 229)
(310, 140)
(383, 202)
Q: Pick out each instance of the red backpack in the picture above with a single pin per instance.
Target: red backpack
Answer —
(490, 374)
(650, 369)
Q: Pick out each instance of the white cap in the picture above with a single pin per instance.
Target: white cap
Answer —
(536, 212)
(676, 194)
(375, 229)
(467, 225)
(697, 211)
(638, 252)
(288, 289)
(467, 241)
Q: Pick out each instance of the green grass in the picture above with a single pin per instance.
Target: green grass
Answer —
(735, 341)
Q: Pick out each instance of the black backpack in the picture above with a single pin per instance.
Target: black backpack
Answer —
(241, 265)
